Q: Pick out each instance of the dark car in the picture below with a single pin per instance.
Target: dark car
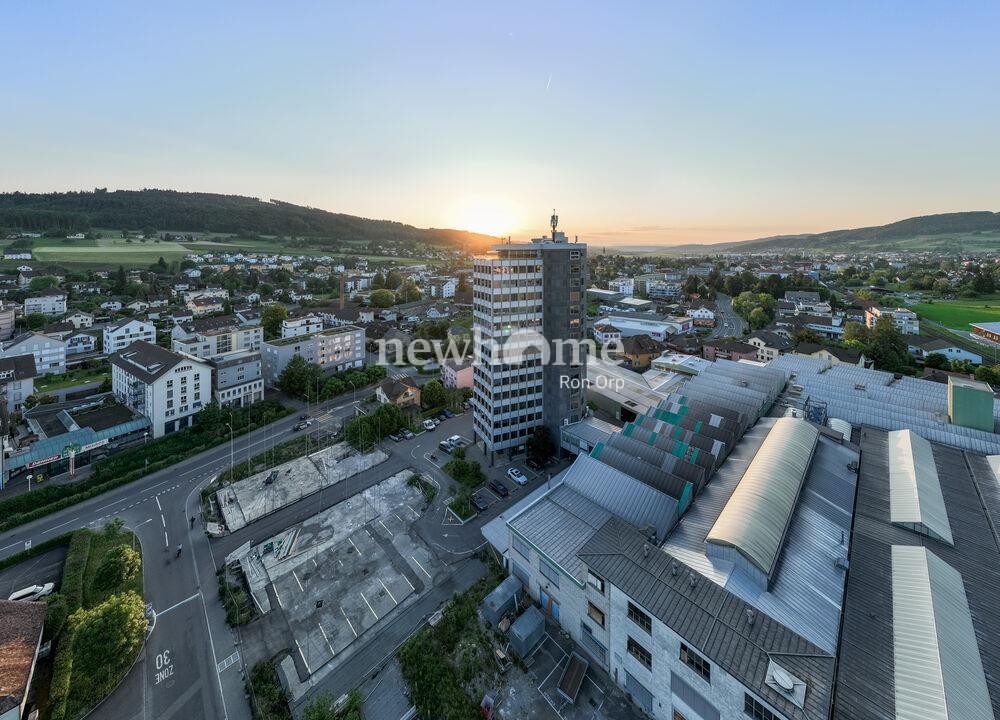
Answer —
(441, 417)
(499, 488)
(448, 413)
(395, 437)
(304, 416)
(302, 425)
(478, 504)
(533, 464)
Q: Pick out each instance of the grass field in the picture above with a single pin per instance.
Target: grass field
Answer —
(957, 314)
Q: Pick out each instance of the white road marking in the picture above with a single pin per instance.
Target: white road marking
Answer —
(158, 506)
(351, 540)
(298, 582)
(398, 518)
(178, 604)
(409, 583)
(394, 601)
(58, 526)
(166, 540)
(278, 595)
(349, 622)
(420, 566)
(369, 605)
(163, 521)
(314, 562)
(328, 643)
(385, 528)
(303, 656)
(229, 661)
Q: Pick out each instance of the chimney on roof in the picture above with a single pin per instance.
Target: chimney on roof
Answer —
(750, 616)
(692, 581)
(645, 550)
(673, 569)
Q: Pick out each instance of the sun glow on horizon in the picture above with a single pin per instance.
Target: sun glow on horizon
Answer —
(490, 216)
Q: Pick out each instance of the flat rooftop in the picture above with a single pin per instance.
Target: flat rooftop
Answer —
(339, 330)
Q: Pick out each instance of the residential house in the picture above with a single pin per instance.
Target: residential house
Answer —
(81, 342)
(7, 315)
(207, 337)
(205, 305)
(17, 380)
(906, 321)
(21, 625)
(167, 388)
(112, 305)
(441, 287)
(638, 351)
(457, 373)
(138, 306)
(623, 285)
(831, 354)
(81, 320)
(605, 333)
(728, 349)
(304, 325)
(237, 378)
(346, 316)
(921, 347)
(402, 391)
(119, 335)
(702, 313)
(49, 352)
(769, 344)
(47, 302)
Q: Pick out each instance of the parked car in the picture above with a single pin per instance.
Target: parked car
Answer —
(447, 413)
(499, 488)
(517, 476)
(395, 437)
(33, 592)
(302, 425)
(478, 504)
(441, 417)
(445, 446)
(408, 435)
(428, 424)
(534, 464)
(304, 416)
(455, 440)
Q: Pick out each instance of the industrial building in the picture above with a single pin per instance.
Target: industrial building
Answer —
(748, 545)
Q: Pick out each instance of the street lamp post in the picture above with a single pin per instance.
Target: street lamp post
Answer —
(231, 450)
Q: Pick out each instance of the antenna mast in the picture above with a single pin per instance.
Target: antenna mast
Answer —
(554, 222)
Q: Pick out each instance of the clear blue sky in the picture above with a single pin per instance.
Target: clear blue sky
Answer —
(661, 121)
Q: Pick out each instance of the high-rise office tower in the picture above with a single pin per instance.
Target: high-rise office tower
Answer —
(530, 316)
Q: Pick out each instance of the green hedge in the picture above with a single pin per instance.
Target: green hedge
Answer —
(129, 465)
(268, 699)
(62, 674)
(75, 569)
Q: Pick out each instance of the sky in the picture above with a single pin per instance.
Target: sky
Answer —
(659, 122)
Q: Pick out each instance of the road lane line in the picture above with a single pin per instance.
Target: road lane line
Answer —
(420, 566)
(163, 521)
(166, 540)
(349, 622)
(158, 506)
(298, 582)
(56, 527)
(178, 604)
(350, 540)
(394, 601)
(369, 605)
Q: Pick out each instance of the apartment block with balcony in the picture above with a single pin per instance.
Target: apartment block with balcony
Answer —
(334, 349)
(237, 378)
(119, 335)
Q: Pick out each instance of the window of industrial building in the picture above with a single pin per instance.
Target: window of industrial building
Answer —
(753, 708)
(696, 662)
(520, 572)
(595, 613)
(549, 571)
(522, 547)
(640, 653)
(640, 618)
(595, 582)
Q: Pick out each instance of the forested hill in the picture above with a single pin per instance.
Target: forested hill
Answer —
(169, 210)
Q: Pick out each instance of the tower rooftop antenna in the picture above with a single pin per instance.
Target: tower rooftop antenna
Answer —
(554, 222)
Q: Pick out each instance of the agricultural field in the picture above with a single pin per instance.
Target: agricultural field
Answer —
(957, 314)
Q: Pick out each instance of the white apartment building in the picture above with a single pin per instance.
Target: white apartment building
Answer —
(167, 388)
(119, 335)
(441, 287)
(49, 352)
(6, 322)
(207, 337)
(81, 320)
(623, 285)
(17, 380)
(335, 349)
(905, 320)
(526, 296)
(305, 325)
(48, 302)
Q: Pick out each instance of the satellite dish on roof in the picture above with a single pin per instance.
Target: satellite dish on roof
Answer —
(782, 679)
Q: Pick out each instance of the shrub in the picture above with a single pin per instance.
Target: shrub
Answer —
(268, 699)
(120, 565)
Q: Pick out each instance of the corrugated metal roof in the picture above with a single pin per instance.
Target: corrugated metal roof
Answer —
(757, 515)
(937, 667)
(915, 498)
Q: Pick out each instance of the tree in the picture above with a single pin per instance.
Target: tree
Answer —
(35, 321)
(382, 298)
(806, 335)
(856, 335)
(758, 318)
(271, 319)
(105, 642)
(378, 282)
(936, 360)
(539, 445)
(393, 280)
(887, 347)
(42, 282)
(432, 394)
(120, 565)
(409, 292)
(120, 282)
(300, 378)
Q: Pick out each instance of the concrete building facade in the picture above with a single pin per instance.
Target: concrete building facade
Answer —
(335, 349)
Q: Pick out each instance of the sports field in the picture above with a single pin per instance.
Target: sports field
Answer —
(958, 314)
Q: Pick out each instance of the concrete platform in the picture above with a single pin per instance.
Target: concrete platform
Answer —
(252, 498)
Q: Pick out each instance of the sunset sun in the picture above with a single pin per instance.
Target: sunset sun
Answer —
(486, 215)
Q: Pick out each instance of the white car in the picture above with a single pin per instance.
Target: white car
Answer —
(428, 424)
(35, 592)
(455, 440)
(517, 476)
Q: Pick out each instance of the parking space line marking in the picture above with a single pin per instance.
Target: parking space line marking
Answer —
(397, 517)
(314, 562)
(409, 583)
(177, 604)
(328, 643)
(394, 601)
(386, 529)
(278, 595)
(228, 662)
(298, 582)
(303, 656)
(369, 605)
(419, 565)
(415, 513)
(349, 622)
(351, 540)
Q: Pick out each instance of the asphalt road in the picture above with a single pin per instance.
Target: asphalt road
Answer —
(727, 322)
(178, 674)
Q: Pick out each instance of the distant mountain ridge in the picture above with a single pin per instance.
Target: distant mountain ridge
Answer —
(937, 229)
(171, 210)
